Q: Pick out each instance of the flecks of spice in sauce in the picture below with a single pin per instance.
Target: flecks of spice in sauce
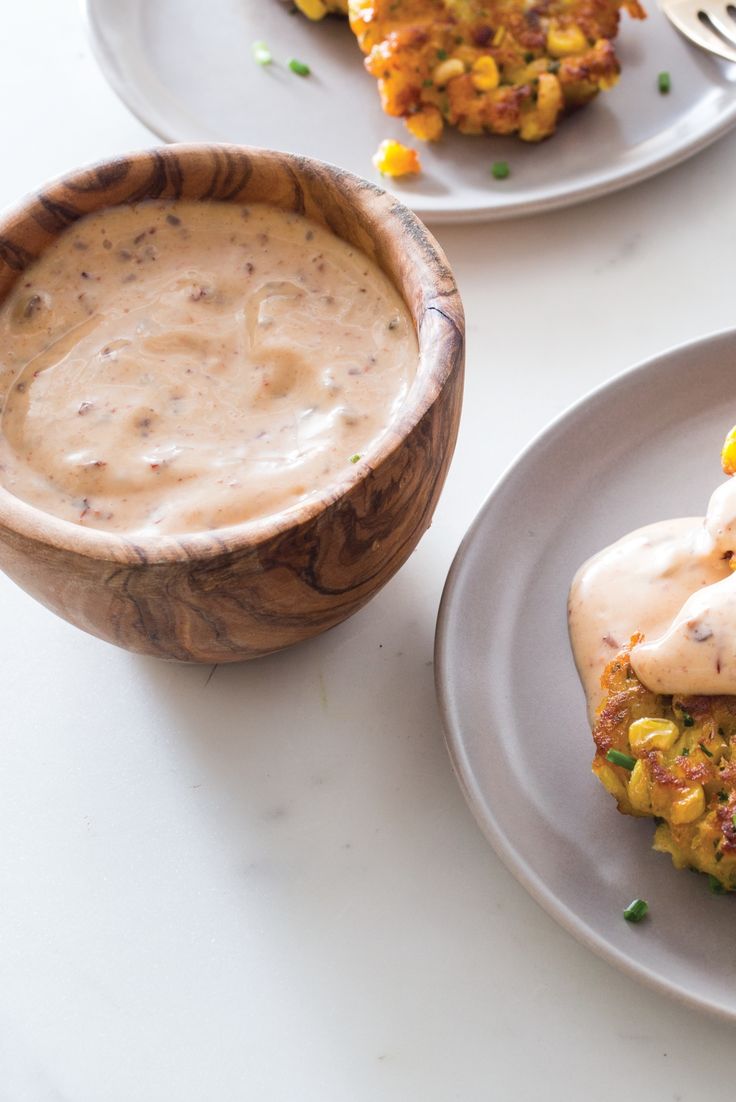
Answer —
(225, 378)
(672, 582)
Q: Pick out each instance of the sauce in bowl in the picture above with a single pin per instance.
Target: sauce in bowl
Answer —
(183, 366)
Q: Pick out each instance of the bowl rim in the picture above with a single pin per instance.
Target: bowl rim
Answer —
(435, 368)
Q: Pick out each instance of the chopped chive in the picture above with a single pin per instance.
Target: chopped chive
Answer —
(715, 885)
(687, 719)
(686, 752)
(664, 83)
(528, 56)
(500, 170)
(354, 458)
(723, 796)
(442, 55)
(261, 53)
(705, 750)
(636, 910)
(299, 67)
(617, 758)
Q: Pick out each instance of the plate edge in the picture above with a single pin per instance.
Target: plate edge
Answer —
(498, 839)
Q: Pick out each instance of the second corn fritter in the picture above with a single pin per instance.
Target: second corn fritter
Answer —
(500, 67)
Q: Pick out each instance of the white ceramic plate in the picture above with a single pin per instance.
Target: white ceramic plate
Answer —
(644, 447)
(185, 68)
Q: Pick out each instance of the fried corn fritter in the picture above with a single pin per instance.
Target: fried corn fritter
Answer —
(484, 66)
(682, 753)
(493, 66)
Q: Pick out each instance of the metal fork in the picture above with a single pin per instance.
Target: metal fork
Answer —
(710, 25)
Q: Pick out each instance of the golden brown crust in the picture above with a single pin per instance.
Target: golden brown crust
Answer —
(697, 771)
(550, 58)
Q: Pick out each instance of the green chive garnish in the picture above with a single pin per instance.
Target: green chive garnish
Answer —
(617, 758)
(354, 458)
(687, 719)
(299, 67)
(442, 55)
(261, 53)
(664, 83)
(705, 750)
(636, 910)
(715, 885)
(500, 170)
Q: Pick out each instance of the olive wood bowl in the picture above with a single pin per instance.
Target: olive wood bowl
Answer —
(253, 588)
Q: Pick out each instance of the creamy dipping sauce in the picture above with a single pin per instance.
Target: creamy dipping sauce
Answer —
(673, 583)
(175, 367)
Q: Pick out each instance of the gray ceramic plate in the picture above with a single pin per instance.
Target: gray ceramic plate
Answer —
(644, 447)
(185, 68)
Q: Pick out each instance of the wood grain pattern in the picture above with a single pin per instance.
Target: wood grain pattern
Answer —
(255, 588)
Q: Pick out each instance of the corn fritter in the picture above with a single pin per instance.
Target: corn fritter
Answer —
(684, 771)
(485, 66)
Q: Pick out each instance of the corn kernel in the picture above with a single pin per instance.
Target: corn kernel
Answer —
(562, 41)
(485, 74)
(540, 121)
(610, 781)
(638, 790)
(394, 159)
(447, 71)
(688, 807)
(728, 453)
(313, 9)
(653, 734)
(426, 124)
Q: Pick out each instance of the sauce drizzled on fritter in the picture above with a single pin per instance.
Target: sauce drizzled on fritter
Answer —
(673, 583)
(653, 629)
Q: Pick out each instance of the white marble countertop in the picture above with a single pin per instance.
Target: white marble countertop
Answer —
(265, 884)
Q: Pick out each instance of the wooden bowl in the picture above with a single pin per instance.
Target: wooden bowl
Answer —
(253, 588)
